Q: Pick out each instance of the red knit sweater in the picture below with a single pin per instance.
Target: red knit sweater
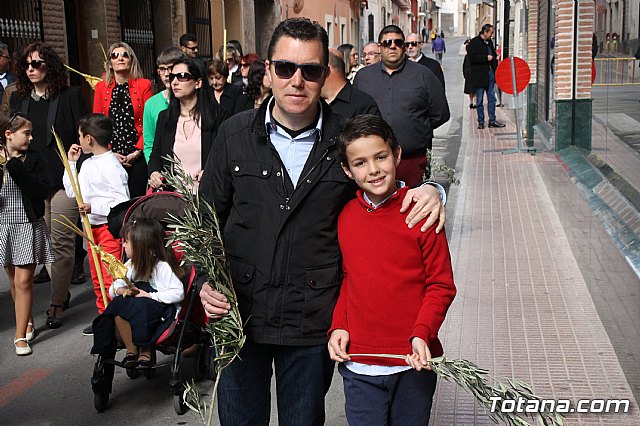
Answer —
(398, 282)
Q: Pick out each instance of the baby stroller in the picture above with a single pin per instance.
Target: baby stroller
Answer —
(186, 330)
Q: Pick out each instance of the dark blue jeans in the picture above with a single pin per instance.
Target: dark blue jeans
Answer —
(401, 399)
(491, 100)
(303, 377)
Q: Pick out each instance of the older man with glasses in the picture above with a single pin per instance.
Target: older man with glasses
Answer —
(371, 53)
(275, 178)
(414, 52)
(411, 99)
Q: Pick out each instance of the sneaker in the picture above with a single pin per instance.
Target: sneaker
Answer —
(42, 276)
(88, 331)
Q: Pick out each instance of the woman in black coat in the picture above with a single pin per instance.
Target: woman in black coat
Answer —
(43, 94)
(187, 129)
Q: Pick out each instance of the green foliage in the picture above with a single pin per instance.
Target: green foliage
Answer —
(198, 235)
(440, 169)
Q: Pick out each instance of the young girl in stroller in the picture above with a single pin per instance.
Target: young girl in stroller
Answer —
(143, 312)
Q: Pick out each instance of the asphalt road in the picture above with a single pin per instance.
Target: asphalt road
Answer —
(52, 386)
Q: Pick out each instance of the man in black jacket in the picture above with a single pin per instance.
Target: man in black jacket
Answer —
(338, 92)
(414, 52)
(484, 62)
(275, 178)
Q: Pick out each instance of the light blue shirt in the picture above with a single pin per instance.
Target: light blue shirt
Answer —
(293, 152)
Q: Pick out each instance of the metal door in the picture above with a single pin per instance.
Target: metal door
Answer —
(20, 23)
(136, 21)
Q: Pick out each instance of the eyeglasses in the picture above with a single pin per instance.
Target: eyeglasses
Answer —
(5, 56)
(34, 63)
(162, 70)
(371, 54)
(412, 43)
(114, 55)
(310, 72)
(192, 48)
(245, 65)
(181, 76)
(397, 41)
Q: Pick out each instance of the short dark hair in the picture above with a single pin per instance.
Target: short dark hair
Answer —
(217, 66)
(99, 126)
(300, 29)
(186, 38)
(362, 126)
(485, 28)
(336, 62)
(170, 55)
(388, 30)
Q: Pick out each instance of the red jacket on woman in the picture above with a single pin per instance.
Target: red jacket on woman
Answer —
(139, 90)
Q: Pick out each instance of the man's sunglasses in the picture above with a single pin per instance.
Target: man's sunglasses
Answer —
(35, 64)
(310, 72)
(192, 48)
(388, 42)
(412, 43)
(114, 55)
(181, 76)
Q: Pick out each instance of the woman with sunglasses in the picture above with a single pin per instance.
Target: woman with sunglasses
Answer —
(245, 63)
(121, 96)
(187, 129)
(259, 87)
(43, 94)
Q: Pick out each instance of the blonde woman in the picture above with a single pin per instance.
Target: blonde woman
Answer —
(121, 96)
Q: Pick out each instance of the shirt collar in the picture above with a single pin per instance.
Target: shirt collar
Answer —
(3, 75)
(344, 94)
(419, 57)
(38, 98)
(399, 184)
(271, 125)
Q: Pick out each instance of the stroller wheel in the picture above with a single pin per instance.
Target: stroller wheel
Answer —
(133, 373)
(149, 373)
(100, 400)
(178, 404)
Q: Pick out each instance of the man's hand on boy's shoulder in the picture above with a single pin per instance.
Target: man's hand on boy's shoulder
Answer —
(427, 203)
(338, 343)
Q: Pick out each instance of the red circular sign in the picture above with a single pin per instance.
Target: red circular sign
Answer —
(593, 71)
(503, 75)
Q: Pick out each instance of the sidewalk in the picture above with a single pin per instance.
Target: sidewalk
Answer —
(527, 251)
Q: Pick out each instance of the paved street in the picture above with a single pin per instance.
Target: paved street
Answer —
(544, 296)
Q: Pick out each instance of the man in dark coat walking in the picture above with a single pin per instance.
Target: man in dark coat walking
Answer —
(484, 62)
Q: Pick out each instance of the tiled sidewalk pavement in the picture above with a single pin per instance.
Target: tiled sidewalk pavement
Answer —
(523, 308)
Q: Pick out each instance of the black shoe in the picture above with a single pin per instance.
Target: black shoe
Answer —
(480, 125)
(52, 320)
(41, 277)
(472, 106)
(88, 331)
(499, 105)
(496, 124)
(78, 277)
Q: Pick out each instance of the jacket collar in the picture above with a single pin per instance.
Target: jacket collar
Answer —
(331, 123)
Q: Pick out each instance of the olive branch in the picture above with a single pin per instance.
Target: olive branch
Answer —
(198, 235)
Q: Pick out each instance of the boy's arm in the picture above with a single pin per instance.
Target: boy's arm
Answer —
(440, 289)
(66, 181)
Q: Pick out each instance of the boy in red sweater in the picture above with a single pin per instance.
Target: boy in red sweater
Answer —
(397, 287)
